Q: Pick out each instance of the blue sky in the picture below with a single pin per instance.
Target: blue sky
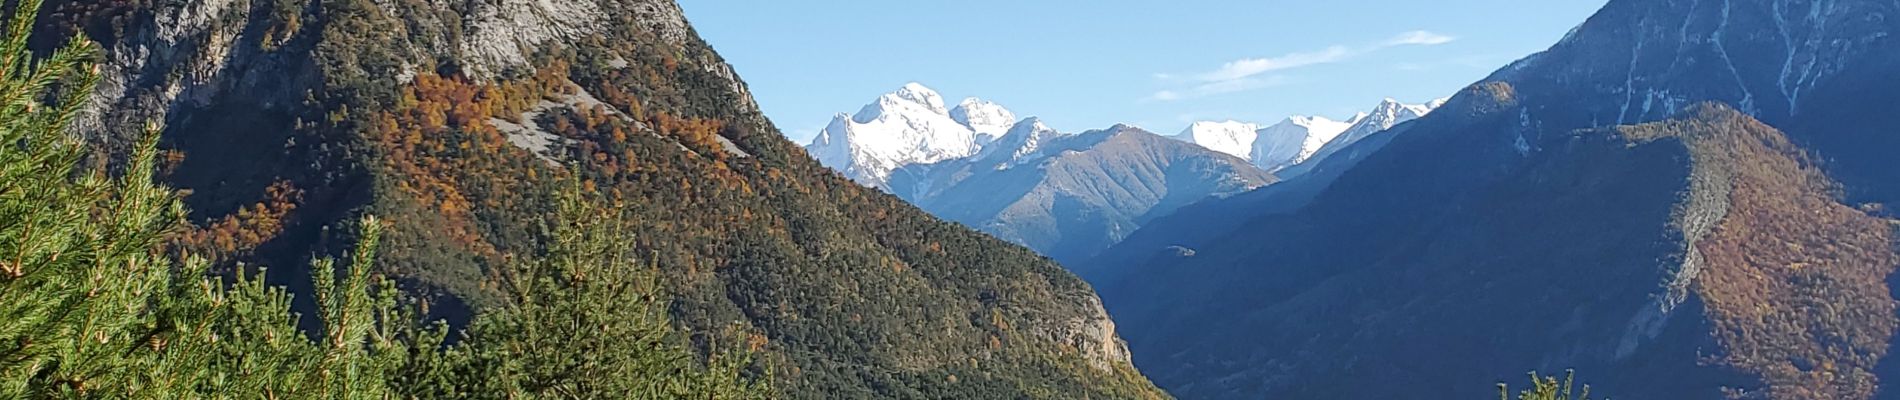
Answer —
(1090, 64)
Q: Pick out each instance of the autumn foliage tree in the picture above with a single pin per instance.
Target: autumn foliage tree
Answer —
(92, 305)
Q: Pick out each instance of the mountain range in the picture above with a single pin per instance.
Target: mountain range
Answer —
(1679, 199)
(1068, 195)
(1299, 138)
(905, 127)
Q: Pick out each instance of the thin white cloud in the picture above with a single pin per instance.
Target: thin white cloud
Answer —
(1243, 74)
(1248, 67)
(1238, 85)
(1419, 38)
(1218, 88)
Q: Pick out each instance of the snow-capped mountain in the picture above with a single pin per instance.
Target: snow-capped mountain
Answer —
(1295, 139)
(913, 125)
(1022, 142)
(1387, 114)
(905, 127)
(1068, 195)
(1232, 137)
(1299, 138)
(988, 119)
(1065, 195)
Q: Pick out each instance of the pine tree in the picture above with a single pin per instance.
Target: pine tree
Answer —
(76, 259)
(90, 307)
(1547, 388)
(587, 296)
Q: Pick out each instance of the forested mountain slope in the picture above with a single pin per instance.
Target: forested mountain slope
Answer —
(456, 121)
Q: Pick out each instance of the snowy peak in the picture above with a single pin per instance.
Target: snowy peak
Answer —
(1387, 114)
(907, 126)
(913, 98)
(1320, 130)
(1232, 137)
(910, 126)
(988, 119)
(919, 94)
(1022, 142)
(1390, 112)
(1294, 140)
(1299, 138)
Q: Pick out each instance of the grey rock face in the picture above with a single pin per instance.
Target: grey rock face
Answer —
(501, 34)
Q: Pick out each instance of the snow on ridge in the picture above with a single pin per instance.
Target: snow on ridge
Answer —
(1232, 137)
(910, 125)
(1299, 138)
(1387, 114)
(988, 119)
(1293, 140)
(1023, 143)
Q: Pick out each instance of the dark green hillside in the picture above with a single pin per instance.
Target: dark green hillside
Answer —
(95, 305)
(457, 121)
